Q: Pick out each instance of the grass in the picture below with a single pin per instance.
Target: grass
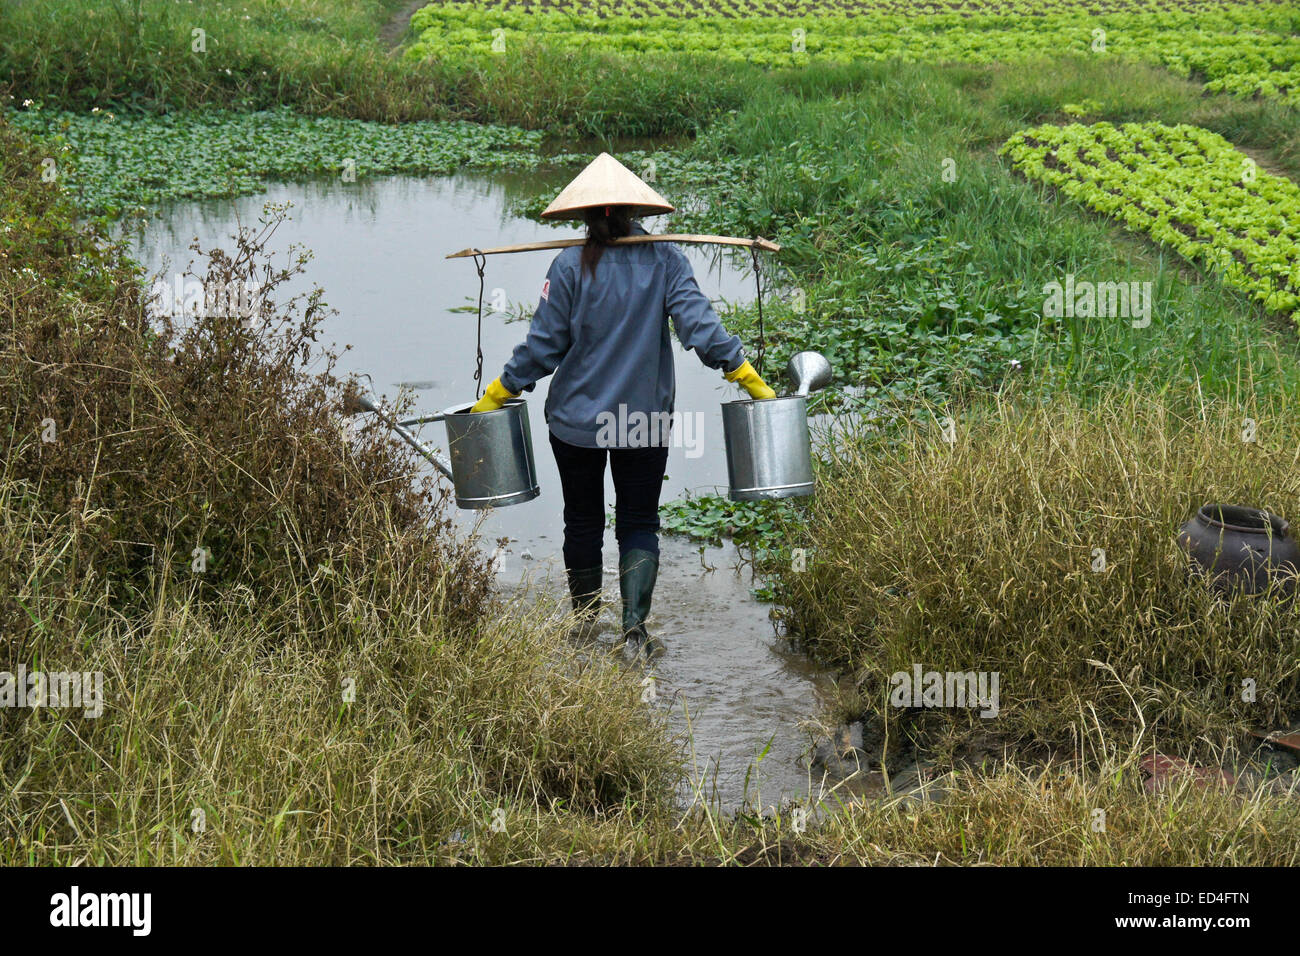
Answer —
(977, 549)
(1046, 816)
(326, 58)
(214, 749)
(911, 279)
(226, 692)
(322, 56)
(917, 286)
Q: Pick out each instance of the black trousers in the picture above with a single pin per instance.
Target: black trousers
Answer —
(638, 482)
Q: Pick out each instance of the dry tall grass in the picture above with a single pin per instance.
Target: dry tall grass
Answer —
(985, 554)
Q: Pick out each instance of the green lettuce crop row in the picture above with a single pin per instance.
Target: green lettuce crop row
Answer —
(1246, 46)
(1183, 186)
(1284, 84)
(910, 8)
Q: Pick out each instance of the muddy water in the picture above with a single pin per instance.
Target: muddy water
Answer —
(379, 251)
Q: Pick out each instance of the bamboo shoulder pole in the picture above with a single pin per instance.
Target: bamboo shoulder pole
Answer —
(625, 240)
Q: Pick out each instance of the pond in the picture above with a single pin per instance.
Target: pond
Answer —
(379, 252)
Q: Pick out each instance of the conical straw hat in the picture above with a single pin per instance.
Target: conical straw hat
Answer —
(606, 182)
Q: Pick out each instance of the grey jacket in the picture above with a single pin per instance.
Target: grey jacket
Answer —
(606, 337)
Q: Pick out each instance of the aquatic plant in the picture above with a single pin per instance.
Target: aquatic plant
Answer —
(118, 163)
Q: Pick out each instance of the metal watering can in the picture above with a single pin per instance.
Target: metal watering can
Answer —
(769, 451)
(491, 463)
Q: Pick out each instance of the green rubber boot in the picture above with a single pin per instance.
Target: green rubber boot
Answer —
(637, 571)
(584, 590)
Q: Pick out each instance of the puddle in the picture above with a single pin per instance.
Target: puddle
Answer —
(379, 250)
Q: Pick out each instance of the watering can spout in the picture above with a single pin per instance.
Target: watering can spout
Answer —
(808, 371)
(362, 403)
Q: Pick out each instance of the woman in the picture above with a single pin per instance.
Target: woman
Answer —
(602, 327)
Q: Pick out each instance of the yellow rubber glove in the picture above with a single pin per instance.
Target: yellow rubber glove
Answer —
(493, 398)
(748, 379)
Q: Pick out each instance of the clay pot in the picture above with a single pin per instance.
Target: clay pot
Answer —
(1241, 548)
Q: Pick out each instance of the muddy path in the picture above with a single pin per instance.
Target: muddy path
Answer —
(391, 33)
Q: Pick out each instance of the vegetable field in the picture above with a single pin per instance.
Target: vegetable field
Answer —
(1247, 49)
(353, 679)
(1185, 187)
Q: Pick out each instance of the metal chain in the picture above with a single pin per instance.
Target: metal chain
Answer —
(758, 287)
(480, 263)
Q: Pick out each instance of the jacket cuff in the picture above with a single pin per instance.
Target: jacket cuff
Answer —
(510, 385)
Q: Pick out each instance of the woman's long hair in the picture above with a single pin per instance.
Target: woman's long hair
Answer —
(604, 224)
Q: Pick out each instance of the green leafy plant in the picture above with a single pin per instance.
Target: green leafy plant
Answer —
(1219, 41)
(1187, 188)
(711, 518)
(121, 162)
